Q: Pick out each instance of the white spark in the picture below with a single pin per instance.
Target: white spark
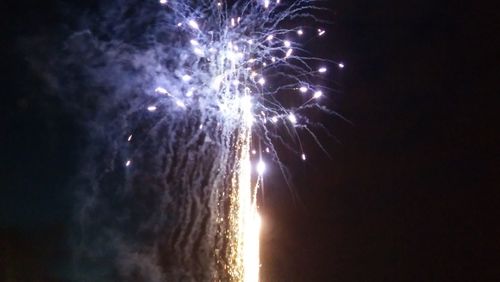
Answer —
(193, 24)
(303, 89)
(317, 94)
(180, 104)
(300, 32)
(262, 81)
(341, 65)
(128, 163)
(152, 108)
(129, 138)
(261, 167)
(322, 70)
(292, 118)
(287, 43)
(321, 32)
(163, 2)
(186, 77)
(161, 90)
(288, 53)
(303, 157)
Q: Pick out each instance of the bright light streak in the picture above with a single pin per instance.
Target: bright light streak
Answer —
(322, 70)
(129, 138)
(321, 32)
(128, 163)
(303, 156)
(341, 65)
(288, 53)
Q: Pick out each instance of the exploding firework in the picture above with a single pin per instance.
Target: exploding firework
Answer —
(186, 99)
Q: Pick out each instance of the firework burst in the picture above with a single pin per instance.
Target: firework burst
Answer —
(190, 100)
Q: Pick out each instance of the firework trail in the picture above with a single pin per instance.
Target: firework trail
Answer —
(182, 100)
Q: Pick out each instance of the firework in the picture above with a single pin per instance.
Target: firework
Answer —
(191, 103)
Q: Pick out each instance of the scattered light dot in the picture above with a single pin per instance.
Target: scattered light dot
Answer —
(341, 65)
(288, 53)
(274, 119)
(303, 89)
(270, 37)
(186, 77)
(194, 42)
(254, 152)
(317, 94)
(322, 70)
(267, 150)
(292, 118)
(303, 157)
(163, 2)
(152, 108)
(321, 32)
(300, 32)
(287, 43)
(129, 138)
(128, 163)
(262, 81)
(266, 4)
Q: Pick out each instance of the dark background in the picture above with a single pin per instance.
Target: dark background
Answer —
(410, 192)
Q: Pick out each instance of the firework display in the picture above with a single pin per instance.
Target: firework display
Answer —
(188, 98)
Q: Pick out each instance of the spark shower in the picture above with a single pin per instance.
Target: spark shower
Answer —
(183, 101)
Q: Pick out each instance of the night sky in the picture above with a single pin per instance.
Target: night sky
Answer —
(409, 193)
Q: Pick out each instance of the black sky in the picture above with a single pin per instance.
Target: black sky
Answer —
(410, 192)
